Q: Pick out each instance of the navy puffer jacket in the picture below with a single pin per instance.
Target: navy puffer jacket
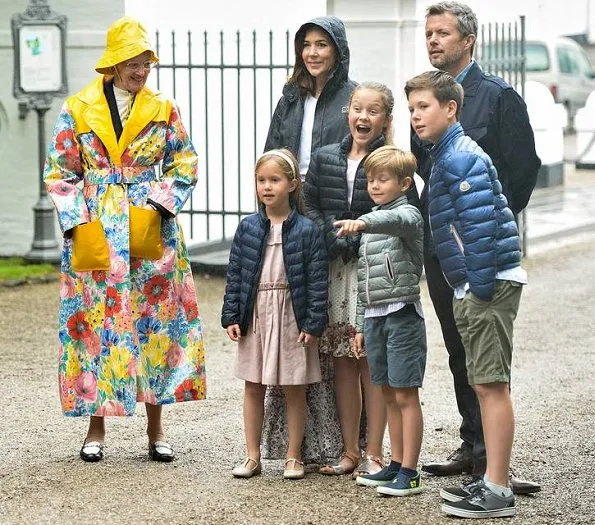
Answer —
(306, 266)
(326, 199)
(474, 230)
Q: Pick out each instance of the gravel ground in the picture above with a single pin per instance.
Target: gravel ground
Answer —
(43, 481)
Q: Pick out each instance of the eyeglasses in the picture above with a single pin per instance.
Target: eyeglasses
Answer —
(137, 66)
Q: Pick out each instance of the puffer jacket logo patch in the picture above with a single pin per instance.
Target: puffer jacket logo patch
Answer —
(465, 186)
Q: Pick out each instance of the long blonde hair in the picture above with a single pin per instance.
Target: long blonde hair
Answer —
(288, 164)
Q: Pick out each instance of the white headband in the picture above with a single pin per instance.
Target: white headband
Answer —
(282, 155)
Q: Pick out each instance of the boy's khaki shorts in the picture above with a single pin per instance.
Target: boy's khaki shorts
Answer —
(486, 332)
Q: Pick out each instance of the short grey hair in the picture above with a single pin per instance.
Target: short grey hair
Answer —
(466, 19)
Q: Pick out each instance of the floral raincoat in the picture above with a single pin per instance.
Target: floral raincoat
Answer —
(131, 333)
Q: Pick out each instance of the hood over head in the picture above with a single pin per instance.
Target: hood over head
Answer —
(336, 30)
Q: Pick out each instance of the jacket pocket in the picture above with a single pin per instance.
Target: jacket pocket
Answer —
(89, 248)
(457, 238)
(145, 233)
(388, 267)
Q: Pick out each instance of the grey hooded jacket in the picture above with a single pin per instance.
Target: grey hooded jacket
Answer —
(330, 118)
(390, 256)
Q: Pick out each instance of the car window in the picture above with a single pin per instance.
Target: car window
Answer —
(566, 62)
(582, 61)
(538, 58)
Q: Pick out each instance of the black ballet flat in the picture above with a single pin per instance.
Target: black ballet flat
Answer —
(161, 451)
(92, 451)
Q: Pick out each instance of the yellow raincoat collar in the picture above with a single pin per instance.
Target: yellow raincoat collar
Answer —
(149, 106)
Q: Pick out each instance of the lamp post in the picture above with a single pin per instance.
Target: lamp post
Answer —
(39, 39)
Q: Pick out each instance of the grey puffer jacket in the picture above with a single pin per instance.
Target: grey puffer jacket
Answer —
(330, 118)
(390, 256)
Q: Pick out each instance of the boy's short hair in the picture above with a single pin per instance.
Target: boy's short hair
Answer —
(444, 87)
(398, 162)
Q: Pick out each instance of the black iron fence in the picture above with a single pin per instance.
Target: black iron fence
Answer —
(501, 51)
(227, 92)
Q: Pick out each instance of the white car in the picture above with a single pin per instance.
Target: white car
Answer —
(563, 66)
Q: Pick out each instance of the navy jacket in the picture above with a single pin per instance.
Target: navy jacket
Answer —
(474, 231)
(495, 116)
(330, 117)
(306, 266)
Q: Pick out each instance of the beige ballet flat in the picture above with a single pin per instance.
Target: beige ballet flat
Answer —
(244, 470)
(294, 469)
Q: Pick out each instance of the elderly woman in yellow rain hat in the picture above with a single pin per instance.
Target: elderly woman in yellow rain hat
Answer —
(129, 328)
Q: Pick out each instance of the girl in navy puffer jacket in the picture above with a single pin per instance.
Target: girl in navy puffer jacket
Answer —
(275, 305)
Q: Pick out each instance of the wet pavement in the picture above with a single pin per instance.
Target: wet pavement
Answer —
(42, 480)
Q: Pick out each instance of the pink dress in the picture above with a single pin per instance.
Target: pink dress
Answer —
(270, 353)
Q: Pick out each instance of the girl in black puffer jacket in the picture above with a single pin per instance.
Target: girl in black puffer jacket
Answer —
(336, 188)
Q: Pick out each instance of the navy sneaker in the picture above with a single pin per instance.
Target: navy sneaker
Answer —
(462, 491)
(483, 503)
(402, 485)
(382, 477)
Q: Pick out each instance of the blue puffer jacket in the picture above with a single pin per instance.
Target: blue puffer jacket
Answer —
(473, 229)
(306, 266)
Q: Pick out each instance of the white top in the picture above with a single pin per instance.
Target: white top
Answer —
(124, 102)
(516, 274)
(306, 136)
(351, 172)
(382, 310)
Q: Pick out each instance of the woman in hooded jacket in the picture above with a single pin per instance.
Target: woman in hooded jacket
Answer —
(313, 109)
(311, 113)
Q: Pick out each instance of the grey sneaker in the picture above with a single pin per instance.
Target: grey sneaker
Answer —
(463, 491)
(482, 503)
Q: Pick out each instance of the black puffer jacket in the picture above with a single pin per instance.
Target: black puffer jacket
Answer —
(330, 118)
(306, 266)
(325, 194)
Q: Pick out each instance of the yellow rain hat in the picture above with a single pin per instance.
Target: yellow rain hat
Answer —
(126, 39)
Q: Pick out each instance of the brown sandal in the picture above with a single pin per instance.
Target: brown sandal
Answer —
(339, 469)
(366, 465)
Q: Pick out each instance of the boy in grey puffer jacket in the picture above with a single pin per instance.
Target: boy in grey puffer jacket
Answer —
(389, 317)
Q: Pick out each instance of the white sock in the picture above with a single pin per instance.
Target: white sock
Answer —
(505, 492)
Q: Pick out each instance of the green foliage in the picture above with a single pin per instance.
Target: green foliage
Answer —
(17, 269)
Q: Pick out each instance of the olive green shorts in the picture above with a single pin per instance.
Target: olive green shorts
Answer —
(486, 332)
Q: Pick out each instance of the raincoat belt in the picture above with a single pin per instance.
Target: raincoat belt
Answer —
(119, 175)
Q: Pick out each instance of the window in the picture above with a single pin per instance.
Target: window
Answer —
(582, 62)
(538, 58)
(566, 62)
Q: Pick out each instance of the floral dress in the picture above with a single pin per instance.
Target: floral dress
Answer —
(131, 333)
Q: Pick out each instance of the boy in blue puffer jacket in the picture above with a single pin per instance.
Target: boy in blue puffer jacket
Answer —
(477, 243)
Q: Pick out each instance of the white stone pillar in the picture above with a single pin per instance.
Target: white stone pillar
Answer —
(548, 120)
(386, 39)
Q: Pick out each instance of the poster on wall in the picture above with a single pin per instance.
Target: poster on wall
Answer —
(40, 58)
